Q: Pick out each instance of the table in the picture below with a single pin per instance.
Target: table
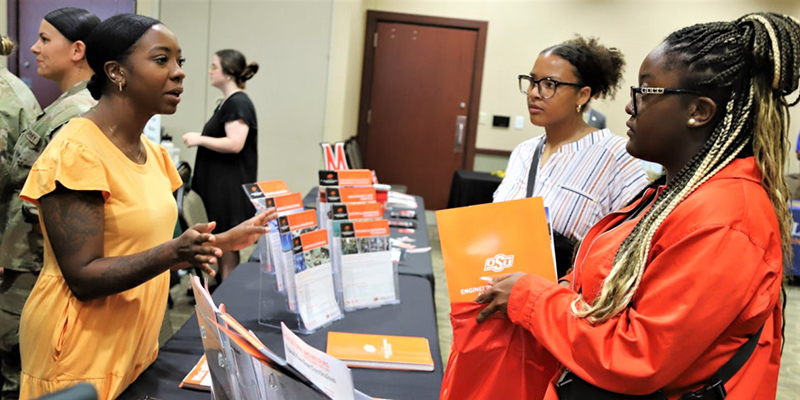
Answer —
(414, 316)
(472, 187)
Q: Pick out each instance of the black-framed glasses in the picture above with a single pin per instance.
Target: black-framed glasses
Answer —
(547, 86)
(637, 92)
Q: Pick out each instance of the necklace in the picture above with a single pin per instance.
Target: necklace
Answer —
(138, 156)
(126, 149)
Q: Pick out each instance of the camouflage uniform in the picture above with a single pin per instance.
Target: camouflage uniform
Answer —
(22, 244)
(18, 109)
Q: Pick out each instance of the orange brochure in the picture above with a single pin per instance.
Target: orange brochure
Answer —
(346, 177)
(272, 187)
(285, 202)
(297, 221)
(199, 378)
(381, 351)
(362, 229)
(356, 211)
(336, 194)
(490, 240)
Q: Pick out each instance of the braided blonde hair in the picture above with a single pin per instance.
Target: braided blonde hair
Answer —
(755, 61)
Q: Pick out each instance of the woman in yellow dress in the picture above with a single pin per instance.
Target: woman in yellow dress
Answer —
(107, 212)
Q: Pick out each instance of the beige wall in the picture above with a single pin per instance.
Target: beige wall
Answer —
(3, 24)
(291, 41)
(518, 30)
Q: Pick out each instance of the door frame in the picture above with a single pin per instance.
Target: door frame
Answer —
(480, 27)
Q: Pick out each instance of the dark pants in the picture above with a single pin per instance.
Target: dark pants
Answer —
(15, 287)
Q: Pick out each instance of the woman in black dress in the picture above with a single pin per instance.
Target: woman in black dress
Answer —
(227, 154)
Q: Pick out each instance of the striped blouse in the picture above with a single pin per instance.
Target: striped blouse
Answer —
(580, 183)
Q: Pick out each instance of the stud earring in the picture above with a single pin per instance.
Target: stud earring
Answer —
(692, 121)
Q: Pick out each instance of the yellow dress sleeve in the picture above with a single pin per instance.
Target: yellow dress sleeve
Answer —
(70, 164)
(169, 166)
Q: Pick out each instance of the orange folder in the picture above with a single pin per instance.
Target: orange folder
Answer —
(490, 240)
(381, 351)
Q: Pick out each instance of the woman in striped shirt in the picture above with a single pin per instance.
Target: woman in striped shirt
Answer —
(582, 173)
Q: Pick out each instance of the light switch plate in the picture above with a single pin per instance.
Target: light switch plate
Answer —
(518, 122)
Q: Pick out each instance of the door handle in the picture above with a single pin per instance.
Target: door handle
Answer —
(461, 125)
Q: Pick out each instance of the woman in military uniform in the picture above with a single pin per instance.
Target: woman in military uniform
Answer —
(60, 57)
(18, 108)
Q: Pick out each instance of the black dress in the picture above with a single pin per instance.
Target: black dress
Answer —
(218, 177)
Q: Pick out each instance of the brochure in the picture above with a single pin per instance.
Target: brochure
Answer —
(330, 196)
(198, 378)
(326, 372)
(368, 276)
(290, 227)
(272, 262)
(489, 240)
(346, 177)
(381, 351)
(259, 191)
(316, 298)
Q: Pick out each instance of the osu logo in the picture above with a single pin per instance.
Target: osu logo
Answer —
(347, 227)
(253, 188)
(339, 210)
(330, 176)
(498, 263)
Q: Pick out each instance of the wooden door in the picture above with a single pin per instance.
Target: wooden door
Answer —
(29, 14)
(421, 105)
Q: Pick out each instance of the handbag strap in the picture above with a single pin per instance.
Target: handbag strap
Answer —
(742, 355)
(716, 386)
(537, 153)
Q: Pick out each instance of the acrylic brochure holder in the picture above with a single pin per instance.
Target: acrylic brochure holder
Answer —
(310, 300)
(365, 273)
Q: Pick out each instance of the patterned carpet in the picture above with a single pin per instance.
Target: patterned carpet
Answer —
(788, 382)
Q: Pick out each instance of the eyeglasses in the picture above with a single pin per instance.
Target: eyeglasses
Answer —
(637, 92)
(547, 86)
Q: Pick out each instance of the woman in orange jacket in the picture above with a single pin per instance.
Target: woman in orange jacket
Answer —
(666, 291)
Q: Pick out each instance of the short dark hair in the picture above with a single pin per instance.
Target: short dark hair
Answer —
(596, 66)
(113, 40)
(234, 64)
(74, 23)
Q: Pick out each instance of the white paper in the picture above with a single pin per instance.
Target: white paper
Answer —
(326, 372)
(288, 278)
(316, 300)
(275, 254)
(368, 279)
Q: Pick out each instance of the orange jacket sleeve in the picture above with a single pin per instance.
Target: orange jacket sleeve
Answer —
(692, 291)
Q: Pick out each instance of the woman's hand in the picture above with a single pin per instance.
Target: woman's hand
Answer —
(497, 295)
(247, 232)
(195, 247)
(191, 139)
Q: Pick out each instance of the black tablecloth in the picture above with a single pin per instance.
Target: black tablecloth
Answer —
(471, 187)
(414, 316)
